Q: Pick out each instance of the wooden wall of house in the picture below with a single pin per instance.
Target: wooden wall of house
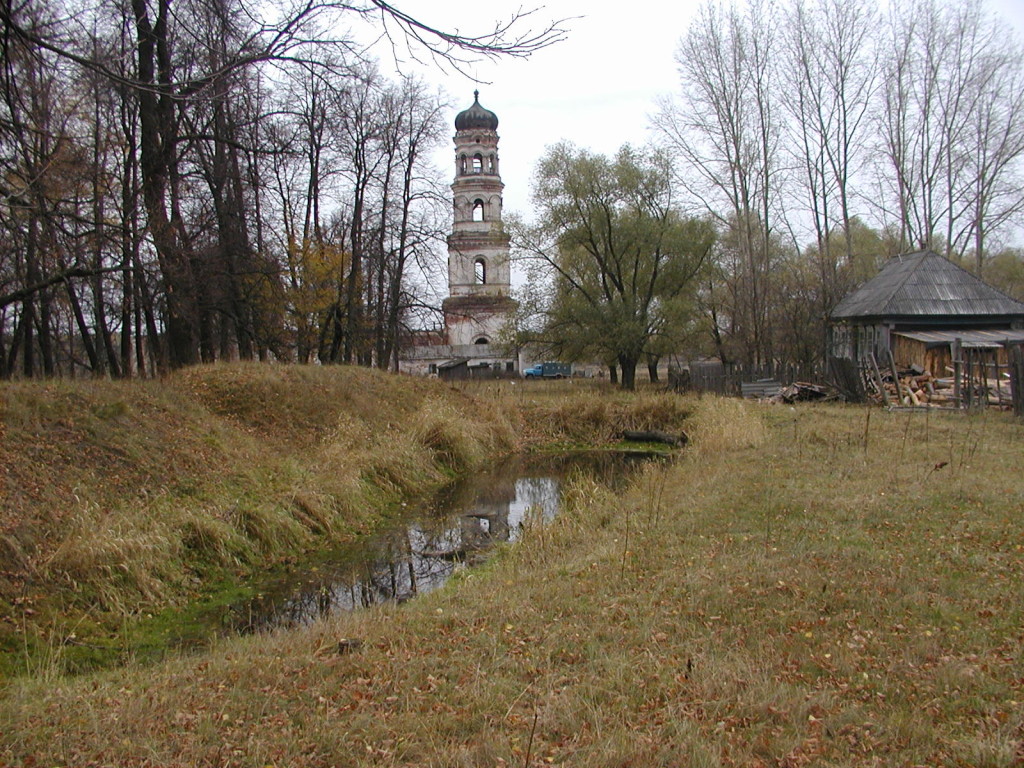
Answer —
(858, 342)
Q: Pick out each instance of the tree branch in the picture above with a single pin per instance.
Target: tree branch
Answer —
(29, 290)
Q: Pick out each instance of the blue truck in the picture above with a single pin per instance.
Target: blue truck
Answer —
(548, 371)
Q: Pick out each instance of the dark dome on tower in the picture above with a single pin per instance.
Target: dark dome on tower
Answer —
(476, 117)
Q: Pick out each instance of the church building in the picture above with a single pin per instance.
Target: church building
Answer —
(479, 302)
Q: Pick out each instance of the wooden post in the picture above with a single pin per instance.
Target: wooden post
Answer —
(999, 384)
(895, 377)
(878, 378)
(1018, 386)
(1016, 359)
(957, 371)
(973, 397)
(969, 377)
(965, 373)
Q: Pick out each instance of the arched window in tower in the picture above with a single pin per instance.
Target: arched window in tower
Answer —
(480, 271)
(478, 163)
(478, 210)
(492, 164)
(462, 165)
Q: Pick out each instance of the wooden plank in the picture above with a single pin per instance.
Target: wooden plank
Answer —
(896, 378)
(957, 365)
(999, 389)
(1016, 359)
(878, 377)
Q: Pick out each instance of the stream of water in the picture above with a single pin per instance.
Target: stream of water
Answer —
(424, 547)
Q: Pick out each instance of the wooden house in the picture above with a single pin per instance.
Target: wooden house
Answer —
(920, 308)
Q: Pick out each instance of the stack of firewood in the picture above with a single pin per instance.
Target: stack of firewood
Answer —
(925, 389)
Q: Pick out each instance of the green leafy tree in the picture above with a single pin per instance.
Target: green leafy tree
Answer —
(1005, 270)
(623, 260)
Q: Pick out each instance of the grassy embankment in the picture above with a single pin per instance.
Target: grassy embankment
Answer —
(809, 586)
(131, 512)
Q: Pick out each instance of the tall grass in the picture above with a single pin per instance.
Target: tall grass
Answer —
(728, 425)
(567, 414)
(120, 495)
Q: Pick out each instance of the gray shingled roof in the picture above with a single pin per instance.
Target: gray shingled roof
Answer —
(925, 284)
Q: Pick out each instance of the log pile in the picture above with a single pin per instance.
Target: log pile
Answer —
(921, 388)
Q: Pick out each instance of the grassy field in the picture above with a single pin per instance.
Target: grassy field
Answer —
(817, 585)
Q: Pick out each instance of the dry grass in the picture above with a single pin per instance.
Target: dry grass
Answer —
(121, 498)
(726, 427)
(117, 497)
(584, 413)
(838, 591)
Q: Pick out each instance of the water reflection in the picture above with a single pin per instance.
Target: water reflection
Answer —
(421, 551)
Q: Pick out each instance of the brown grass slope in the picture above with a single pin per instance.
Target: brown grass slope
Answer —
(119, 499)
(820, 586)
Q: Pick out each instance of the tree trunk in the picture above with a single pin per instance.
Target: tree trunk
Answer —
(652, 369)
(83, 329)
(628, 366)
(5, 372)
(16, 341)
(158, 152)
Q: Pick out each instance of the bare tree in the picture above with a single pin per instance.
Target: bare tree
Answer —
(829, 79)
(302, 162)
(41, 186)
(992, 152)
(184, 120)
(384, 134)
(829, 76)
(412, 208)
(950, 118)
(725, 130)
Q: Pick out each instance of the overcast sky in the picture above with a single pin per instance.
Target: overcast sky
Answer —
(597, 88)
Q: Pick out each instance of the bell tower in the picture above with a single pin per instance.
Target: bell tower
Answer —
(479, 277)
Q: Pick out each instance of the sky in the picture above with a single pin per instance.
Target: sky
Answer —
(598, 88)
(595, 88)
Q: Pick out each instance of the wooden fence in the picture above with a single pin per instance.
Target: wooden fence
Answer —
(979, 380)
(728, 378)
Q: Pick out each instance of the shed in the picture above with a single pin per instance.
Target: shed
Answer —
(916, 305)
(933, 351)
(453, 370)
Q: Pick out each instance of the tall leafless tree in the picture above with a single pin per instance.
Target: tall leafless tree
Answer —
(725, 129)
(950, 118)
